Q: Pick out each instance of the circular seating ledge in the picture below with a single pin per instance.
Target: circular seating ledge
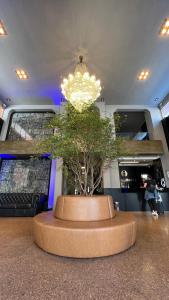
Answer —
(84, 239)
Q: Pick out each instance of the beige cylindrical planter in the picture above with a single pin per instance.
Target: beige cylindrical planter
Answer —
(84, 227)
(84, 208)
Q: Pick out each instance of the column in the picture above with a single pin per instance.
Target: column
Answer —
(156, 132)
(58, 180)
(111, 177)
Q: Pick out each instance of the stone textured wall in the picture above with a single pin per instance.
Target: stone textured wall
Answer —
(29, 125)
(25, 176)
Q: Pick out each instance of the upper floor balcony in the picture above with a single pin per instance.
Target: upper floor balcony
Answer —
(132, 147)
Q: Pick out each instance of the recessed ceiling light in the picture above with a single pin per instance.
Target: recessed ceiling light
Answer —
(2, 29)
(143, 75)
(164, 30)
(129, 162)
(21, 74)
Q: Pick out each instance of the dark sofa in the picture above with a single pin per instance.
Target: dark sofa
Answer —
(21, 204)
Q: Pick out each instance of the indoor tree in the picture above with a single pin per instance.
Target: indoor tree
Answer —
(86, 142)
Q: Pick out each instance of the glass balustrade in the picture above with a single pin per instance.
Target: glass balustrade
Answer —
(137, 136)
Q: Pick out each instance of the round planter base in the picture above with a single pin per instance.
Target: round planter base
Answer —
(84, 239)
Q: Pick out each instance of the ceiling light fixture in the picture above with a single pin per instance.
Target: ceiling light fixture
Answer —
(164, 30)
(81, 89)
(143, 75)
(129, 162)
(2, 29)
(145, 158)
(21, 74)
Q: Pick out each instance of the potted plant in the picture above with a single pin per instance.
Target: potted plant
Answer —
(86, 142)
(84, 225)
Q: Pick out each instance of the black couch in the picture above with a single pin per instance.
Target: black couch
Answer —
(22, 204)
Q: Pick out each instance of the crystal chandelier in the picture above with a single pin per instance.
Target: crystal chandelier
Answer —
(81, 89)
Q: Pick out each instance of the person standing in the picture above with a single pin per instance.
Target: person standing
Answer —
(151, 195)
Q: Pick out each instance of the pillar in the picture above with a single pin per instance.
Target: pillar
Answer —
(58, 180)
(111, 177)
(156, 132)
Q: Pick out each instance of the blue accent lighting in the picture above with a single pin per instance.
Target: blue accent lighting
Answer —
(51, 93)
(7, 156)
(46, 155)
(51, 197)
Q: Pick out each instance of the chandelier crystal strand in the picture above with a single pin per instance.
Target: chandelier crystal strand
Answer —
(81, 89)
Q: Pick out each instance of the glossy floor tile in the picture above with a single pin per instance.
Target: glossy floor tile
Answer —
(142, 272)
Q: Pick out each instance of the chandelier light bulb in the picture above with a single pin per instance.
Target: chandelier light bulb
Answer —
(71, 77)
(81, 89)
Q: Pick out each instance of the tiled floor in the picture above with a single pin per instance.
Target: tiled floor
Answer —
(28, 273)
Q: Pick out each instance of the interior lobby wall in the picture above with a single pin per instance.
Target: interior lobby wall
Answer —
(111, 176)
(55, 188)
(23, 108)
(135, 201)
(25, 176)
(29, 125)
(155, 130)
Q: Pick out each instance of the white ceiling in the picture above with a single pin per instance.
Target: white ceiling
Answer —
(118, 38)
